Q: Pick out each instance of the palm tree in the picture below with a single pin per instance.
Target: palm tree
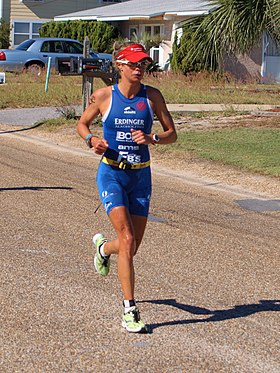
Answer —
(234, 26)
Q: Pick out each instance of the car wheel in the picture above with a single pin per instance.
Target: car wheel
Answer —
(34, 69)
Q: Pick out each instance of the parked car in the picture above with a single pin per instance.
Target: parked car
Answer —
(32, 54)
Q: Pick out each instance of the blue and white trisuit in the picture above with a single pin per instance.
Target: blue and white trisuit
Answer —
(126, 187)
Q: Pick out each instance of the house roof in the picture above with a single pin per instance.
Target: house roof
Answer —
(144, 9)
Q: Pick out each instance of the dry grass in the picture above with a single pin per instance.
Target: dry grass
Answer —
(25, 90)
(206, 88)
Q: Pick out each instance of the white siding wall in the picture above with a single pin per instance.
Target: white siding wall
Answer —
(27, 16)
(48, 9)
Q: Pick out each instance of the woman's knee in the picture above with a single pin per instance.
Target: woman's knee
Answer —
(127, 243)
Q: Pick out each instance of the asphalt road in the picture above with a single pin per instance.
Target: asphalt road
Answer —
(207, 272)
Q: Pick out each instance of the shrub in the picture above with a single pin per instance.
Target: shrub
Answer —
(181, 60)
(4, 34)
(101, 34)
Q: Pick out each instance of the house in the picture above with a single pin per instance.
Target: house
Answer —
(133, 17)
(163, 17)
(27, 16)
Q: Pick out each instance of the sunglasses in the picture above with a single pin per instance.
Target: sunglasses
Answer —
(133, 65)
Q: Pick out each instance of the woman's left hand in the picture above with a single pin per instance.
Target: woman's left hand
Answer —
(141, 137)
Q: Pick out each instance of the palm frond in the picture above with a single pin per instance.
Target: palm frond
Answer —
(234, 26)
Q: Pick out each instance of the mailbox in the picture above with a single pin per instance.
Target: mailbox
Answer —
(81, 65)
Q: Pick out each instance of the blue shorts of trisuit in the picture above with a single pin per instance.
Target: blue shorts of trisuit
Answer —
(129, 188)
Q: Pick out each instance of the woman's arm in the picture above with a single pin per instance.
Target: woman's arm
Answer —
(96, 106)
(159, 107)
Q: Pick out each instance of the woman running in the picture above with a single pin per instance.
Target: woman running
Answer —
(124, 175)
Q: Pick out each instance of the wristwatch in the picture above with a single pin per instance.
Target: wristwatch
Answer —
(155, 138)
(87, 140)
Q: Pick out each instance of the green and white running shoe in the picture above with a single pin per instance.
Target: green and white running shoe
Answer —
(101, 264)
(132, 322)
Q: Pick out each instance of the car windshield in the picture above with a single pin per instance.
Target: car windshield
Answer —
(25, 45)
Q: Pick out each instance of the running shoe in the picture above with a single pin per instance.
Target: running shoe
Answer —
(101, 264)
(132, 322)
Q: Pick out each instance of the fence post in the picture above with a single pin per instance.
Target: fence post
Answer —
(87, 80)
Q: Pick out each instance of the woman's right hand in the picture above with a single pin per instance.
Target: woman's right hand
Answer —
(99, 145)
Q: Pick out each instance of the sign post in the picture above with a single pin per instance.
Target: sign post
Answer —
(87, 80)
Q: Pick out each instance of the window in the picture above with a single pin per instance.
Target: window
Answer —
(73, 47)
(21, 32)
(154, 53)
(157, 55)
(133, 32)
(35, 29)
(148, 30)
(152, 30)
(24, 30)
(141, 30)
(52, 47)
(156, 30)
(47, 47)
(25, 45)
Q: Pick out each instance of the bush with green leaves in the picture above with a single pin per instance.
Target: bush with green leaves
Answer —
(101, 34)
(4, 34)
(180, 60)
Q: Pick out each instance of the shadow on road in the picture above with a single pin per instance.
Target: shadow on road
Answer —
(238, 311)
(25, 128)
(36, 188)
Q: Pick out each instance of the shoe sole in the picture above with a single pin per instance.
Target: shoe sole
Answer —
(141, 330)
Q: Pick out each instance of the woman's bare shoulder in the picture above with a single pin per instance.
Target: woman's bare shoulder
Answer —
(101, 94)
(154, 94)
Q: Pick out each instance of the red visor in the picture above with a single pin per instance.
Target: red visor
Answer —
(133, 53)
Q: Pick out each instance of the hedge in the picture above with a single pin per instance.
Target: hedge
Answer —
(101, 34)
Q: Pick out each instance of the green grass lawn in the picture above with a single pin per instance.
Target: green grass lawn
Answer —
(254, 149)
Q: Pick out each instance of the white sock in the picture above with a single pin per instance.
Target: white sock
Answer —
(129, 305)
(102, 253)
